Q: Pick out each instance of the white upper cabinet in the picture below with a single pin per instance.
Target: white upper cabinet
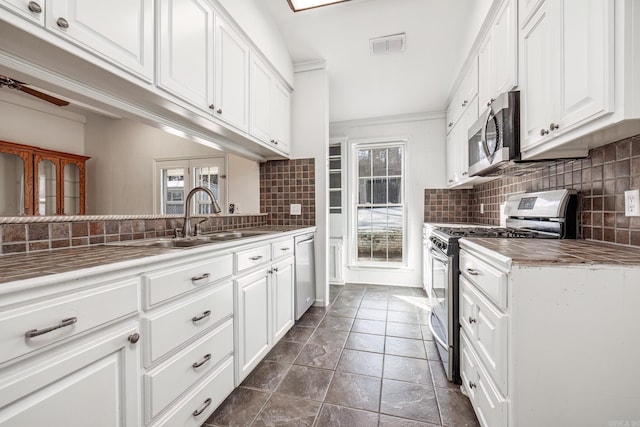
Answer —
(567, 70)
(260, 105)
(467, 90)
(231, 93)
(457, 147)
(280, 116)
(121, 31)
(29, 9)
(185, 54)
(497, 56)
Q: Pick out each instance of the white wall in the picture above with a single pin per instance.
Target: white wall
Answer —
(120, 173)
(262, 30)
(425, 168)
(310, 138)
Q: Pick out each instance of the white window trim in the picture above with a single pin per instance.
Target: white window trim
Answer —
(352, 190)
(189, 164)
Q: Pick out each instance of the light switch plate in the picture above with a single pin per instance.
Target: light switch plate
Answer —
(632, 203)
(295, 209)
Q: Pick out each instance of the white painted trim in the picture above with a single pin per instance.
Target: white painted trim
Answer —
(401, 118)
(317, 64)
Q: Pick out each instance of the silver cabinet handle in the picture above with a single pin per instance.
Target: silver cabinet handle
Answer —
(472, 320)
(255, 258)
(490, 102)
(219, 111)
(275, 141)
(275, 269)
(63, 323)
(472, 272)
(212, 107)
(554, 126)
(35, 7)
(450, 181)
(62, 23)
(204, 407)
(204, 360)
(199, 318)
(472, 385)
(464, 103)
(544, 132)
(285, 249)
(465, 173)
(134, 338)
(450, 124)
(201, 277)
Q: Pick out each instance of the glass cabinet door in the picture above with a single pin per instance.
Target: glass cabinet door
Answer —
(47, 183)
(71, 189)
(12, 185)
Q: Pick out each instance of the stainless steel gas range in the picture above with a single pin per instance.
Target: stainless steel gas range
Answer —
(547, 214)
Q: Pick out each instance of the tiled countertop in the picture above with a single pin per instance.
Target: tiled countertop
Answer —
(561, 252)
(35, 264)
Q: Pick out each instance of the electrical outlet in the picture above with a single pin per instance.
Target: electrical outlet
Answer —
(295, 209)
(632, 203)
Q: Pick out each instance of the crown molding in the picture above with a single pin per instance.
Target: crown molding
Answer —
(401, 118)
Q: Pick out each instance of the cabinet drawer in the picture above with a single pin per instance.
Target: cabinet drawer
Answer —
(252, 257)
(489, 405)
(194, 410)
(282, 248)
(35, 326)
(177, 324)
(486, 328)
(165, 284)
(164, 384)
(491, 281)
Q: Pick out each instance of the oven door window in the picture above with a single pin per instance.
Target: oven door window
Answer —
(439, 287)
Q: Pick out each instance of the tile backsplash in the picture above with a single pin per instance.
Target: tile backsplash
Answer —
(283, 182)
(601, 180)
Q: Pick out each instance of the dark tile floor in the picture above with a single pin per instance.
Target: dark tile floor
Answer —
(366, 360)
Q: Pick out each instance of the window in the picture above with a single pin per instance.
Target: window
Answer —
(379, 215)
(178, 177)
(335, 179)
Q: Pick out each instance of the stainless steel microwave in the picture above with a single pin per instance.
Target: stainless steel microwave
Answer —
(494, 139)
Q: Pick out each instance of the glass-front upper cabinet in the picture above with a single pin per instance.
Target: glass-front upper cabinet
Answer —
(34, 181)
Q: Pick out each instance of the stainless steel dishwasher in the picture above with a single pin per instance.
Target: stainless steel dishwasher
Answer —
(305, 288)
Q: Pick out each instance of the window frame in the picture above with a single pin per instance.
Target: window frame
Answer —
(353, 194)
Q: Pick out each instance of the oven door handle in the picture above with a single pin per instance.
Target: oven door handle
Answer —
(437, 255)
(435, 335)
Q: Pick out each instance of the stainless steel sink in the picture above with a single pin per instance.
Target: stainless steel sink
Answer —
(232, 235)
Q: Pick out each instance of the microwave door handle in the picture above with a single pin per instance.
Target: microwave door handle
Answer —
(483, 134)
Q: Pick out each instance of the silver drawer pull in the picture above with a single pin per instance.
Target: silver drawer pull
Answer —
(37, 332)
(204, 360)
(472, 320)
(204, 407)
(255, 258)
(35, 7)
(285, 249)
(201, 277)
(199, 318)
(472, 385)
(62, 23)
(472, 272)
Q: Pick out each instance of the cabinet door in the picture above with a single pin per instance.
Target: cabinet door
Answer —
(452, 157)
(185, 35)
(91, 384)
(504, 41)
(462, 138)
(469, 86)
(585, 62)
(72, 188)
(253, 317)
(121, 31)
(281, 116)
(486, 87)
(231, 76)
(283, 292)
(260, 106)
(46, 191)
(28, 9)
(537, 76)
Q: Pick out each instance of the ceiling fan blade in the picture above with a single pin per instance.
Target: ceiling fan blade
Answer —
(52, 99)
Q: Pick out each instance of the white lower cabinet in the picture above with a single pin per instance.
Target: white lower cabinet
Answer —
(90, 383)
(283, 281)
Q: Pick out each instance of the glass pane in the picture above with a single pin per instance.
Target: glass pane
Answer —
(207, 177)
(335, 198)
(395, 224)
(364, 191)
(379, 245)
(395, 192)
(173, 191)
(11, 185)
(46, 188)
(335, 210)
(364, 246)
(335, 164)
(364, 163)
(335, 180)
(395, 161)
(334, 150)
(379, 191)
(71, 189)
(380, 162)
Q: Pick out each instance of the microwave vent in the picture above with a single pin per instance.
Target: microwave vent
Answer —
(386, 45)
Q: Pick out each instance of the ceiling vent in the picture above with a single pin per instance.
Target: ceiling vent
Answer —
(394, 43)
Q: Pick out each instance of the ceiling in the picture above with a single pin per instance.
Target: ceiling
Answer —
(364, 86)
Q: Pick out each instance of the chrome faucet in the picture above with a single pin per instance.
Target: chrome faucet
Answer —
(186, 226)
